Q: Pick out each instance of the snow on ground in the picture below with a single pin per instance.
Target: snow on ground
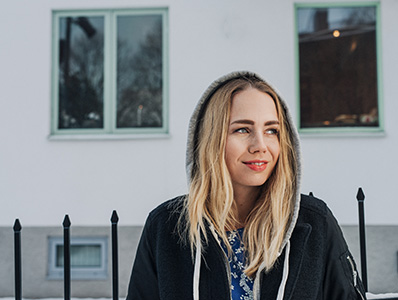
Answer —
(382, 296)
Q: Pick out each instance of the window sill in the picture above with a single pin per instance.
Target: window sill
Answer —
(106, 137)
(341, 134)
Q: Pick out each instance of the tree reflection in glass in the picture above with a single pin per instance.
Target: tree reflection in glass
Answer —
(139, 71)
(81, 72)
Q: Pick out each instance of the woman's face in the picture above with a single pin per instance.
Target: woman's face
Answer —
(252, 145)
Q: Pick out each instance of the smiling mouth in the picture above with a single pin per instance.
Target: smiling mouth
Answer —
(256, 162)
(256, 165)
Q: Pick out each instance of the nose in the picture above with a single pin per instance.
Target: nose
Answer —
(258, 144)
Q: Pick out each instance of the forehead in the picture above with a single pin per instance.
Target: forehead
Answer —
(253, 104)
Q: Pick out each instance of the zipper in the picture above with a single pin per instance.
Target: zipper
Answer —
(355, 276)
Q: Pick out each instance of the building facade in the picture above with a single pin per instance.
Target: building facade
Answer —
(84, 133)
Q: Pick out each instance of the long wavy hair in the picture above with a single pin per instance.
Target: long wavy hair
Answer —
(211, 198)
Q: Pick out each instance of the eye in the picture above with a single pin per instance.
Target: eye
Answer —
(272, 131)
(242, 130)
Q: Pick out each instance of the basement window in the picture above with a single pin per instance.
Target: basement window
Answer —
(88, 258)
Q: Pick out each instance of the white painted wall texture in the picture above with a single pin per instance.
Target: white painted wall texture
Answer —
(42, 180)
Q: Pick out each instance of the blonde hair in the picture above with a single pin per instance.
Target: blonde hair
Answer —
(210, 199)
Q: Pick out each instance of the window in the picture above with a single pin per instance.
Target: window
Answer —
(109, 72)
(338, 65)
(88, 258)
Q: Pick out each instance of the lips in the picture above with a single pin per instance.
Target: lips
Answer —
(256, 165)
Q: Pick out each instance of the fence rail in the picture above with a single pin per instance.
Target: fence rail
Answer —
(67, 265)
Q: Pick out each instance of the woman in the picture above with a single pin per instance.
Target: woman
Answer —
(243, 231)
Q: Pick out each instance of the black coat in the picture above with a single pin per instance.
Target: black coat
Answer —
(321, 266)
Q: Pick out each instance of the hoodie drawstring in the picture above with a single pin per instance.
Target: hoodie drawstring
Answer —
(281, 291)
(196, 273)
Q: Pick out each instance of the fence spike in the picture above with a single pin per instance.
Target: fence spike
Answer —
(360, 195)
(66, 223)
(17, 226)
(115, 217)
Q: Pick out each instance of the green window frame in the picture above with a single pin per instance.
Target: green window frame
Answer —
(130, 41)
(350, 112)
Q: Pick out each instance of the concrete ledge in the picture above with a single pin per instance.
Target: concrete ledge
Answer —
(382, 257)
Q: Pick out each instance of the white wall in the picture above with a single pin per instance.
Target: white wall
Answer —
(41, 180)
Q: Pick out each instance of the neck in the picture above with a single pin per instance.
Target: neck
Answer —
(245, 200)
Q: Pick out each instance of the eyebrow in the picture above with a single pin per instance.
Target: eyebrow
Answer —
(250, 122)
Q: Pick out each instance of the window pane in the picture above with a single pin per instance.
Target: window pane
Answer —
(81, 72)
(139, 71)
(338, 67)
(81, 256)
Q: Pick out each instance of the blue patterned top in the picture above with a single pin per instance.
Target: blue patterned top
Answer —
(241, 285)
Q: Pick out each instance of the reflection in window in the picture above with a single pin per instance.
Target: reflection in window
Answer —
(81, 256)
(338, 67)
(139, 76)
(81, 72)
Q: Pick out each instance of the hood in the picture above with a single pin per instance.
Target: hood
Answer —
(198, 111)
(192, 138)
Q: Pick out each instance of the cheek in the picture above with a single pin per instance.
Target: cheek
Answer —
(228, 155)
(232, 151)
(275, 150)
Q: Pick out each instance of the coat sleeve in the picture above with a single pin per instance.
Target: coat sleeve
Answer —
(341, 280)
(144, 282)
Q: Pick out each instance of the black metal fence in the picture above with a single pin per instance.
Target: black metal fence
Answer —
(115, 270)
(67, 265)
